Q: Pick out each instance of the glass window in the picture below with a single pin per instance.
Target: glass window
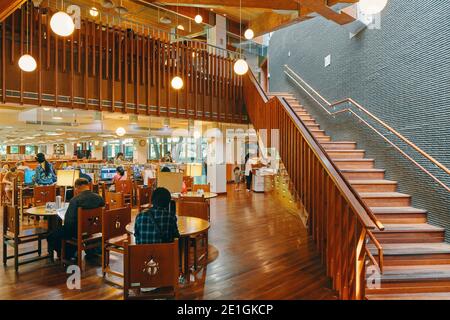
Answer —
(30, 150)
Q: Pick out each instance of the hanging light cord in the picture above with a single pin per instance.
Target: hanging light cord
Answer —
(240, 28)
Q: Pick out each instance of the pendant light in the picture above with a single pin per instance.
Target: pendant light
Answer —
(198, 18)
(93, 12)
(372, 6)
(249, 34)
(120, 131)
(62, 24)
(240, 66)
(177, 82)
(26, 62)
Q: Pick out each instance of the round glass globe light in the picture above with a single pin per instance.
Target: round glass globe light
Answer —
(62, 24)
(27, 63)
(372, 6)
(120, 131)
(93, 12)
(198, 18)
(177, 83)
(240, 67)
(249, 34)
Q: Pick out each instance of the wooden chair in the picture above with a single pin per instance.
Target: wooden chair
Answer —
(88, 234)
(44, 194)
(14, 236)
(204, 187)
(188, 181)
(144, 197)
(151, 183)
(126, 187)
(151, 266)
(114, 200)
(113, 236)
(200, 210)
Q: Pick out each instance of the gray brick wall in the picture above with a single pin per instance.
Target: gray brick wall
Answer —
(401, 73)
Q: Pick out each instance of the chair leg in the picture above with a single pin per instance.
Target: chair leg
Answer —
(40, 247)
(80, 257)
(5, 252)
(63, 252)
(16, 255)
(195, 254)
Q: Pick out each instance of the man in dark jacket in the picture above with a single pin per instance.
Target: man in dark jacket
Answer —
(84, 198)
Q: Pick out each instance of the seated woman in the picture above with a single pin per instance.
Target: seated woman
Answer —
(45, 174)
(120, 175)
(8, 181)
(159, 223)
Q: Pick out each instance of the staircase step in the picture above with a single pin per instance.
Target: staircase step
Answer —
(386, 199)
(373, 185)
(400, 214)
(363, 174)
(404, 254)
(323, 138)
(318, 132)
(313, 126)
(410, 296)
(346, 154)
(305, 117)
(413, 279)
(354, 163)
(339, 145)
(410, 233)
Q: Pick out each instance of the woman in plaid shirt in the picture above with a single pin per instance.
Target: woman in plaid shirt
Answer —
(159, 223)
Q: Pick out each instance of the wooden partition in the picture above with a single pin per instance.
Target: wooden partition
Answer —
(105, 68)
(338, 220)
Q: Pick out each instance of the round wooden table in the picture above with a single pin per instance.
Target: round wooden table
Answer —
(207, 195)
(40, 211)
(187, 226)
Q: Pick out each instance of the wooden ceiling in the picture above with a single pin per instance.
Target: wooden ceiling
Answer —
(262, 16)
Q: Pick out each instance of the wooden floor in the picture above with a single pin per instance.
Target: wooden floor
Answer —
(259, 249)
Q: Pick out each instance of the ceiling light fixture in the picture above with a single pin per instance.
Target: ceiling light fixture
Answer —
(120, 131)
(26, 62)
(177, 82)
(93, 12)
(62, 24)
(249, 34)
(372, 6)
(240, 66)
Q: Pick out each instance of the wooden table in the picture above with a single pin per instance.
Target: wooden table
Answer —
(207, 195)
(187, 226)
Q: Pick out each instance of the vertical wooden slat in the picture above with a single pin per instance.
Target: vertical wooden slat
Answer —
(100, 66)
(4, 61)
(125, 73)
(22, 28)
(158, 75)
(149, 70)
(107, 35)
(72, 69)
(79, 49)
(13, 36)
(56, 71)
(93, 50)
(113, 67)
(39, 62)
(137, 78)
(86, 65)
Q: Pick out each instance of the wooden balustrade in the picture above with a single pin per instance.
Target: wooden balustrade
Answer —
(101, 67)
(338, 220)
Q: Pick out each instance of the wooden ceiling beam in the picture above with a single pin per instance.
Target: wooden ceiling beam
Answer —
(322, 8)
(9, 6)
(261, 4)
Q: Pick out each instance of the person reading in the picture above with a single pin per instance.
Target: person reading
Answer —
(83, 198)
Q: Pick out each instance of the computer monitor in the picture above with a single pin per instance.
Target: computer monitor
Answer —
(107, 173)
(28, 176)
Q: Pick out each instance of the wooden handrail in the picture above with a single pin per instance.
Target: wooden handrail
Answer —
(379, 121)
(338, 220)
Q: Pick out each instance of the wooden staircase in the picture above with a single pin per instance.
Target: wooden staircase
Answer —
(416, 258)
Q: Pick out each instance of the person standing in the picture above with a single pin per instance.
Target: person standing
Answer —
(8, 181)
(237, 178)
(248, 172)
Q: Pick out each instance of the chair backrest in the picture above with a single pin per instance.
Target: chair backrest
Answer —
(44, 194)
(124, 186)
(144, 195)
(150, 266)
(114, 200)
(151, 182)
(89, 221)
(195, 209)
(11, 220)
(188, 181)
(204, 187)
(114, 222)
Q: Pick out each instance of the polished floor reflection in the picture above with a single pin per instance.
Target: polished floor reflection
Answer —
(259, 249)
